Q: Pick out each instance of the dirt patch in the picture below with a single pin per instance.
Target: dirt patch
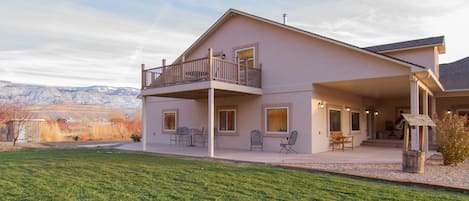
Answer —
(8, 146)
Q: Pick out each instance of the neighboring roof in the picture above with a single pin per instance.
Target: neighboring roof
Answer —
(232, 12)
(455, 75)
(411, 44)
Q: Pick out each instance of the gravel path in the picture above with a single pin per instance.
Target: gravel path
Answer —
(435, 174)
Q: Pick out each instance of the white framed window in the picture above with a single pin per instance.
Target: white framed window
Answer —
(169, 120)
(277, 120)
(355, 121)
(246, 56)
(335, 121)
(227, 120)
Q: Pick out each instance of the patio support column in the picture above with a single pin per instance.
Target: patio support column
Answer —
(433, 115)
(414, 109)
(144, 123)
(425, 128)
(211, 107)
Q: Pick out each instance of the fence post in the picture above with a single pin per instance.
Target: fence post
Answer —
(210, 63)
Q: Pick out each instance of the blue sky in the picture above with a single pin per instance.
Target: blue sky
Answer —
(103, 42)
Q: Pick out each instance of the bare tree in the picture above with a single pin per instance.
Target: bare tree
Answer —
(11, 110)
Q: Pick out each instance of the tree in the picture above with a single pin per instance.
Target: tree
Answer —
(16, 112)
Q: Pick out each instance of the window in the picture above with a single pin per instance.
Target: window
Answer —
(227, 120)
(334, 120)
(276, 119)
(169, 121)
(355, 121)
(463, 112)
(246, 57)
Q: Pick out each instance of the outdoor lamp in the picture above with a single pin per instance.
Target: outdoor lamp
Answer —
(347, 109)
(367, 111)
(223, 56)
(449, 111)
(321, 105)
(376, 113)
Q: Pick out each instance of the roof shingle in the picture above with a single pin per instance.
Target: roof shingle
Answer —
(407, 44)
(455, 75)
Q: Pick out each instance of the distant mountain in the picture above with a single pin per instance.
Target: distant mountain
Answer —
(123, 98)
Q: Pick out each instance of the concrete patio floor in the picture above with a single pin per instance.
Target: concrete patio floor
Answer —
(357, 155)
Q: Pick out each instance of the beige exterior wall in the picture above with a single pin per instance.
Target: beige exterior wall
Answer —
(291, 63)
(307, 60)
(443, 104)
(427, 57)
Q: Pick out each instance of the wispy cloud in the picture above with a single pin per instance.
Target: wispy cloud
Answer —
(104, 42)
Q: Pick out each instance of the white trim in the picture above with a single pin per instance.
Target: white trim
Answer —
(227, 110)
(329, 119)
(359, 122)
(266, 119)
(253, 54)
(175, 120)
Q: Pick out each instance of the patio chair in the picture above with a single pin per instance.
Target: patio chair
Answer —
(288, 146)
(256, 140)
(338, 139)
(182, 134)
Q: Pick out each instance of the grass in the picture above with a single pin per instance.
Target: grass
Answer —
(88, 174)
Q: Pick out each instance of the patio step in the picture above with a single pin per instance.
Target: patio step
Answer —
(383, 143)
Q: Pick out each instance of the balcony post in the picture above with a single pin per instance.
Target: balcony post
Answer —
(239, 71)
(144, 77)
(210, 63)
(144, 123)
(414, 109)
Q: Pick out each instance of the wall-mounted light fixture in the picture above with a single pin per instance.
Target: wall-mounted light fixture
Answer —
(367, 111)
(321, 105)
(223, 56)
(376, 113)
(449, 112)
(347, 108)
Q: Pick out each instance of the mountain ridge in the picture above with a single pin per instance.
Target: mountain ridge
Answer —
(123, 98)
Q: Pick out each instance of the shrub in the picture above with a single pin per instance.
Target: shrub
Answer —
(453, 139)
(136, 137)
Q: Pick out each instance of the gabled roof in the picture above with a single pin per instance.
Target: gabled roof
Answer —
(455, 75)
(233, 12)
(438, 41)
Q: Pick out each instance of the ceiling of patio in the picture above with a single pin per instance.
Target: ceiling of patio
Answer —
(377, 88)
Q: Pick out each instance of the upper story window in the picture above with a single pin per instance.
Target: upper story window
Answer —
(246, 56)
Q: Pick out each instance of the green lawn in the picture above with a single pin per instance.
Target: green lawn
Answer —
(105, 175)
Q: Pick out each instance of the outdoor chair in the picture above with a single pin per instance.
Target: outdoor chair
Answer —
(200, 136)
(291, 140)
(182, 134)
(337, 139)
(256, 140)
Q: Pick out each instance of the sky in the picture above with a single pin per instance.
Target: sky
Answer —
(104, 42)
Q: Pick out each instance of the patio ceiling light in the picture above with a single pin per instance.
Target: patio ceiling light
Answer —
(376, 113)
(367, 111)
(347, 109)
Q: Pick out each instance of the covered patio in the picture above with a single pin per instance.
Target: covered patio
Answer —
(358, 155)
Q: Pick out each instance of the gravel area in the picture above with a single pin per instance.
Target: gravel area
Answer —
(435, 174)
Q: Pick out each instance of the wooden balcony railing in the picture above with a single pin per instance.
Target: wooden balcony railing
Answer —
(203, 69)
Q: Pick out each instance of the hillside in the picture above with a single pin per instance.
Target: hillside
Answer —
(122, 98)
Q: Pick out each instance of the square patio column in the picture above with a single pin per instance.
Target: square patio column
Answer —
(433, 115)
(425, 128)
(144, 123)
(414, 109)
(211, 107)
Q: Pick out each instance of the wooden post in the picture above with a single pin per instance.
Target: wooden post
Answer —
(183, 59)
(239, 70)
(144, 77)
(210, 63)
(424, 134)
(163, 74)
(414, 109)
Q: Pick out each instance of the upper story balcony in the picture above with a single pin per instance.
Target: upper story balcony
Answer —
(203, 69)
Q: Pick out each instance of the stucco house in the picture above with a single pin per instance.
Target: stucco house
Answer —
(247, 72)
